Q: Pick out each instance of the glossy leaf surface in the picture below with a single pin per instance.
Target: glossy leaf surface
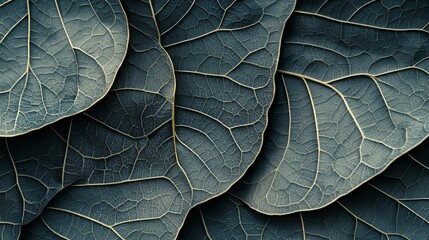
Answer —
(57, 58)
(352, 96)
(391, 206)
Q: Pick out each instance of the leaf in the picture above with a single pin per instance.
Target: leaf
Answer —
(224, 66)
(57, 58)
(352, 96)
(116, 167)
(118, 174)
(30, 176)
(394, 205)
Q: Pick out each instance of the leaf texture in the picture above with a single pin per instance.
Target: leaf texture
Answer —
(116, 165)
(57, 58)
(29, 178)
(391, 206)
(224, 55)
(131, 166)
(352, 96)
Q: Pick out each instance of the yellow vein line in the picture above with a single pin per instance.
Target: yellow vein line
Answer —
(354, 74)
(399, 203)
(333, 89)
(218, 75)
(16, 179)
(40, 88)
(173, 125)
(418, 162)
(363, 221)
(198, 156)
(319, 46)
(317, 137)
(13, 27)
(87, 218)
(107, 29)
(64, 26)
(155, 22)
(361, 24)
(217, 30)
(66, 154)
(204, 223)
(52, 230)
(136, 180)
(1, 5)
(302, 226)
(10, 223)
(288, 138)
(14, 84)
(179, 20)
(28, 64)
(73, 49)
(360, 8)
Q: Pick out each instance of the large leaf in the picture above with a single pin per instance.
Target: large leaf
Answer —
(352, 96)
(118, 162)
(394, 205)
(225, 55)
(57, 58)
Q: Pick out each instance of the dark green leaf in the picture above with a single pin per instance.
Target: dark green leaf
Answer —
(352, 96)
(57, 58)
(394, 205)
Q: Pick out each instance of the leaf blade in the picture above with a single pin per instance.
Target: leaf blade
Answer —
(56, 60)
(392, 205)
(361, 90)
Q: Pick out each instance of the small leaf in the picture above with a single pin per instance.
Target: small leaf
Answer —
(352, 96)
(57, 58)
(393, 205)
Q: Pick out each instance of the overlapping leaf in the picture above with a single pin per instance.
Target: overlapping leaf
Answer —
(118, 162)
(352, 96)
(224, 55)
(394, 205)
(29, 176)
(57, 58)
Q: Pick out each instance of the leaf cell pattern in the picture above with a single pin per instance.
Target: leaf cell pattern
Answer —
(224, 64)
(391, 206)
(352, 96)
(120, 170)
(57, 58)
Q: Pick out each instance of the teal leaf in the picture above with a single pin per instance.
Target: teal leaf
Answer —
(30, 176)
(224, 55)
(57, 58)
(352, 96)
(394, 205)
(171, 133)
(116, 175)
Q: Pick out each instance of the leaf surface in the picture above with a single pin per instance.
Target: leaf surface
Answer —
(352, 96)
(131, 166)
(391, 206)
(116, 175)
(57, 58)
(224, 65)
